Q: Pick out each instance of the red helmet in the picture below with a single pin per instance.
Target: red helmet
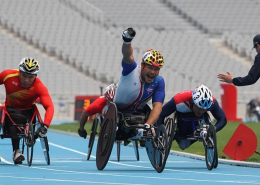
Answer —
(110, 92)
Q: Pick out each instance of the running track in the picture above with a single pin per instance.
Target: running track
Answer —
(69, 166)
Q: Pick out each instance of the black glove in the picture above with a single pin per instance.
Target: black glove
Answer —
(82, 133)
(41, 131)
(128, 35)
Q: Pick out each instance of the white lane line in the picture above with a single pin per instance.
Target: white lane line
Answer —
(136, 176)
(146, 177)
(76, 151)
(185, 171)
(5, 161)
(62, 180)
(43, 161)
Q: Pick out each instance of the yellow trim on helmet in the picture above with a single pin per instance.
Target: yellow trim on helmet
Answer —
(28, 63)
(154, 58)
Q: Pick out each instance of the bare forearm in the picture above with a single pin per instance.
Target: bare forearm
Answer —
(154, 114)
(127, 52)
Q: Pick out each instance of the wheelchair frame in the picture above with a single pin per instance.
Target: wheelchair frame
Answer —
(98, 119)
(27, 134)
(209, 142)
(156, 147)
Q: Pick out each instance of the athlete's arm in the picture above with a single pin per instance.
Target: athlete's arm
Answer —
(2, 78)
(158, 99)
(94, 108)
(219, 115)
(83, 119)
(127, 51)
(167, 109)
(154, 114)
(46, 103)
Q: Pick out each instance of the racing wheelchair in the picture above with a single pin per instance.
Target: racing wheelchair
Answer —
(122, 126)
(26, 130)
(181, 122)
(98, 120)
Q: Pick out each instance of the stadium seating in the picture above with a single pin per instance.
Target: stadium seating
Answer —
(82, 39)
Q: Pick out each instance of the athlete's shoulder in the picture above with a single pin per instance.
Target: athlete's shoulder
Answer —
(183, 96)
(214, 99)
(128, 68)
(159, 79)
(39, 85)
(38, 81)
(10, 71)
(4, 75)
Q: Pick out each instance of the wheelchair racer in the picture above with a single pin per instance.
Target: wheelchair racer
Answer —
(198, 102)
(23, 88)
(98, 106)
(139, 84)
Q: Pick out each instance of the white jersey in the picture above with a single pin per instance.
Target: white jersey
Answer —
(132, 93)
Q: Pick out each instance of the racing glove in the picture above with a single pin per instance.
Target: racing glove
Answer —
(42, 130)
(128, 35)
(150, 129)
(82, 133)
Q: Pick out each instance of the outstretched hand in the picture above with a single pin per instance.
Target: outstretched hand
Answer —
(228, 78)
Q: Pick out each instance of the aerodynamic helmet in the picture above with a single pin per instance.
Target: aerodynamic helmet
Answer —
(154, 58)
(202, 97)
(29, 65)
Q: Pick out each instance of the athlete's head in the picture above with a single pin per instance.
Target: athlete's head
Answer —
(29, 65)
(202, 99)
(152, 62)
(28, 68)
(110, 92)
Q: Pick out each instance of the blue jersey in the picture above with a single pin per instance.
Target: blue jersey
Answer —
(133, 93)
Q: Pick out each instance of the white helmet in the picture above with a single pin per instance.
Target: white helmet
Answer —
(110, 92)
(29, 65)
(202, 97)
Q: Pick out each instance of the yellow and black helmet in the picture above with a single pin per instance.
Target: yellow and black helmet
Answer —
(29, 65)
(154, 58)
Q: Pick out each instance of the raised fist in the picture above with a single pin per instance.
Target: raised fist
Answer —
(128, 35)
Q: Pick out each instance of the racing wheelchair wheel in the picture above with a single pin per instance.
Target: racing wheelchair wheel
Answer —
(118, 150)
(22, 143)
(45, 149)
(171, 126)
(160, 148)
(29, 140)
(216, 153)
(157, 149)
(92, 137)
(106, 137)
(211, 148)
(135, 145)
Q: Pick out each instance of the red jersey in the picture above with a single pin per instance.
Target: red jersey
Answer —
(96, 106)
(183, 101)
(20, 97)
